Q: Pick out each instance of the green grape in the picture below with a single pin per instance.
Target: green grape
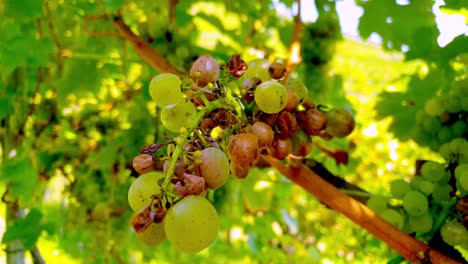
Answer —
(421, 223)
(415, 203)
(461, 169)
(271, 97)
(446, 177)
(416, 183)
(434, 107)
(143, 189)
(258, 68)
(458, 145)
(463, 180)
(432, 171)
(377, 203)
(299, 88)
(459, 129)
(399, 188)
(442, 192)
(455, 151)
(165, 89)
(177, 116)
(453, 104)
(191, 225)
(393, 217)
(340, 122)
(445, 134)
(454, 233)
(426, 187)
(214, 167)
(445, 152)
(152, 235)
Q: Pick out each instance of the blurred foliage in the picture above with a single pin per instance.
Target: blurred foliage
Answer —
(75, 110)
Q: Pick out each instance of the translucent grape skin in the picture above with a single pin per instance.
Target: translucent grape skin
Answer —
(192, 224)
(415, 203)
(271, 97)
(454, 233)
(299, 88)
(143, 189)
(214, 167)
(153, 235)
(205, 70)
(258, 68)
(177, 116)
(165, 89)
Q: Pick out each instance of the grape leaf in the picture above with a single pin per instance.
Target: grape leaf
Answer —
(4, 107)
(27, 229)
(402, 106)
(23, 177)
(397, 24)
(27, 10)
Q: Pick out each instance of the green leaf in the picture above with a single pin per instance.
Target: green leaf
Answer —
(402, 106)
(397, 24)
(27, 229)
(24, 10)
(183, 18)
(213, 20)
(4, 107)
(114, 5)
(22, 176)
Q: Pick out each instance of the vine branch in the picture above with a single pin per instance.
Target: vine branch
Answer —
(408, 247)
(152, 57)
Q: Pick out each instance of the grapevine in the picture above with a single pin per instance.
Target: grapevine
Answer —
(226, 116)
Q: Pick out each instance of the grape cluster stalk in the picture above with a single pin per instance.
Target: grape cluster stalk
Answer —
(224, 118)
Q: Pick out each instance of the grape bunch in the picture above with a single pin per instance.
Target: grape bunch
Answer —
(225, 117)
(434, 201)
(444, 117)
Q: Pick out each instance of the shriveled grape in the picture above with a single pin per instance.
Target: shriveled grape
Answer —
(264, 133)
(340, 122)
(243, 149)
(312, 121)
(143, 163)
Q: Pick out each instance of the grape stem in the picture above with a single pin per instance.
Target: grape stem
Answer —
(220, 103)
(408, 247)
